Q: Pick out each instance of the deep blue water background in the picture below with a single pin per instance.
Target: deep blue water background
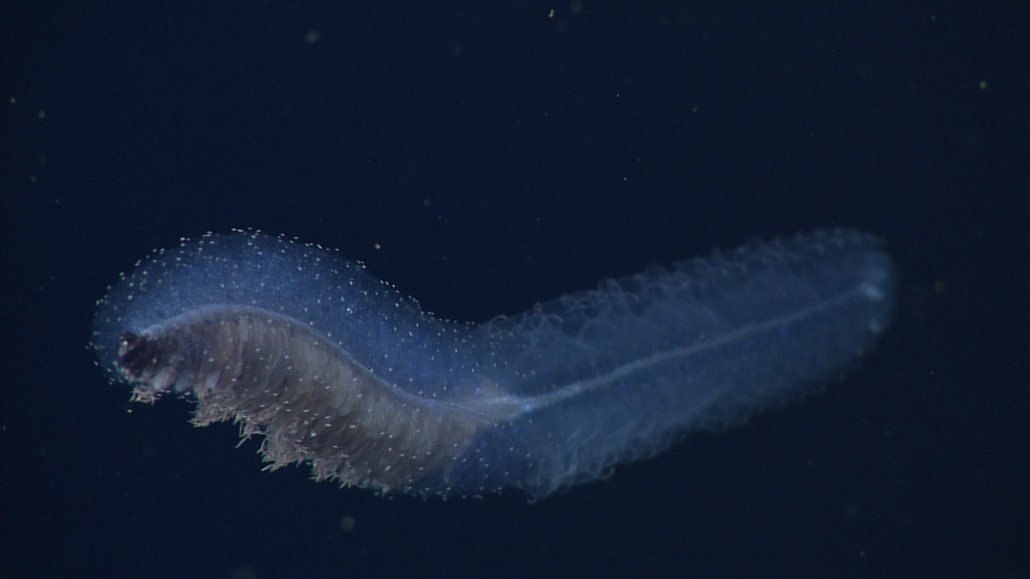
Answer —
(485, 156)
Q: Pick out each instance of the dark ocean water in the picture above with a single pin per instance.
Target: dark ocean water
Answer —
(486, 156)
